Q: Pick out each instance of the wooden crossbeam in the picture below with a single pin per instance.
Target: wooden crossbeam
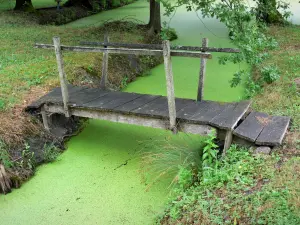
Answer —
(127, 51)
(160, 47)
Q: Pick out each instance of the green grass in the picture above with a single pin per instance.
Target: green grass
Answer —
(242, 190)
(23, 67)
(10, 4)
(283, 96)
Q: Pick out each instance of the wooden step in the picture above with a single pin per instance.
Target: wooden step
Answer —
(263, 129)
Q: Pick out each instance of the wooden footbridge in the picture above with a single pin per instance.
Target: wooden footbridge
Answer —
(233, 121)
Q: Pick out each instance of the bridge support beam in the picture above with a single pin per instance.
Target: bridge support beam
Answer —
(228, 141)
(45, 118)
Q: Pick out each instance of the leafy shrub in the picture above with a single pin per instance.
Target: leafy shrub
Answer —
(238, 191)
(168, 33)
(51, 152)
(270, 74)
(2, 104)
(4, 156)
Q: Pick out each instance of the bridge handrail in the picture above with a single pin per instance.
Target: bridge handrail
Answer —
(160, 47)
(164, 50)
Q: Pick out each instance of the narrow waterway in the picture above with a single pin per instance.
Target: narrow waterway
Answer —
(97, 180)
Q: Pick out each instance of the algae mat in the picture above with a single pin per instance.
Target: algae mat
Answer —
(90, 184)
(96, 181)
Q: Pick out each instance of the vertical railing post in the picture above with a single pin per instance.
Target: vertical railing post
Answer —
(104, 64)
(170, 85)
(202, 72)
(62, 75)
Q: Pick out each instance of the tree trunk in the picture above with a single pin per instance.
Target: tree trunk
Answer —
(155, 18)
(267, 12)
(24, 5)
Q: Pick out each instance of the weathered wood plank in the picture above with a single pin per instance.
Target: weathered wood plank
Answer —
(104, 64)
(132, 119)
(252, 126)
(137, 103)
(273, 133)
(62, 75)
(127, 51)
(123, 99)
(86, 95)
(190, 110)
(228, 141)
(45, 118)
(170, 85)
(229, 118)
(159, 47)
(54, 97)
(155, 108)
(100, 102)
(201, 112)
(202, 73)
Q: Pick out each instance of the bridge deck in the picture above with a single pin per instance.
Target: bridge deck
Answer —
(257, 128)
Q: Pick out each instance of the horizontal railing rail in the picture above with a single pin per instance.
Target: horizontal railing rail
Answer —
(127, 51)
(159, 47)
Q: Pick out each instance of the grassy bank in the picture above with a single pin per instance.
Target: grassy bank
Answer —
(27, 73)
(242, 189)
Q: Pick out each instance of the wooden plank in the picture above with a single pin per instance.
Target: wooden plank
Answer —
(159, 47)
(202, 73)
(87, 95)
(104, 64)
(99, 102)
(128, 51)
(201, 112)
(273, 133)
(62, 75)
(229, 118)
(121, 100)
(180, 104)
(228, 141)
(154, 108)
(170, 85)
(252, 126)
(137, 103)
(45, 118)
(190, 110)
(54, 96)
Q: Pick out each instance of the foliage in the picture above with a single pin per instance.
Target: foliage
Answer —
(4, 156)
(51, 152)
(282, 98)
(168, 33)
(27, 159)
(246, 31)
(270, 74)
(267, 11)
(242, 189)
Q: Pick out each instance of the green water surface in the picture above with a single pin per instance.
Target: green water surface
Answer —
(89, 183)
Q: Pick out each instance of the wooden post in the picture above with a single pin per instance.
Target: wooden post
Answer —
(170, 85)
(45, 118)
(228, 141)
(202, 72)
(104, 64)
(62, 75)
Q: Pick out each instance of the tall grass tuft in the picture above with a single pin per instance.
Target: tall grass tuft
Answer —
(172, 159)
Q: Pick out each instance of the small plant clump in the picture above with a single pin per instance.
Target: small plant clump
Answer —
(241, 189)
(51, 152)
